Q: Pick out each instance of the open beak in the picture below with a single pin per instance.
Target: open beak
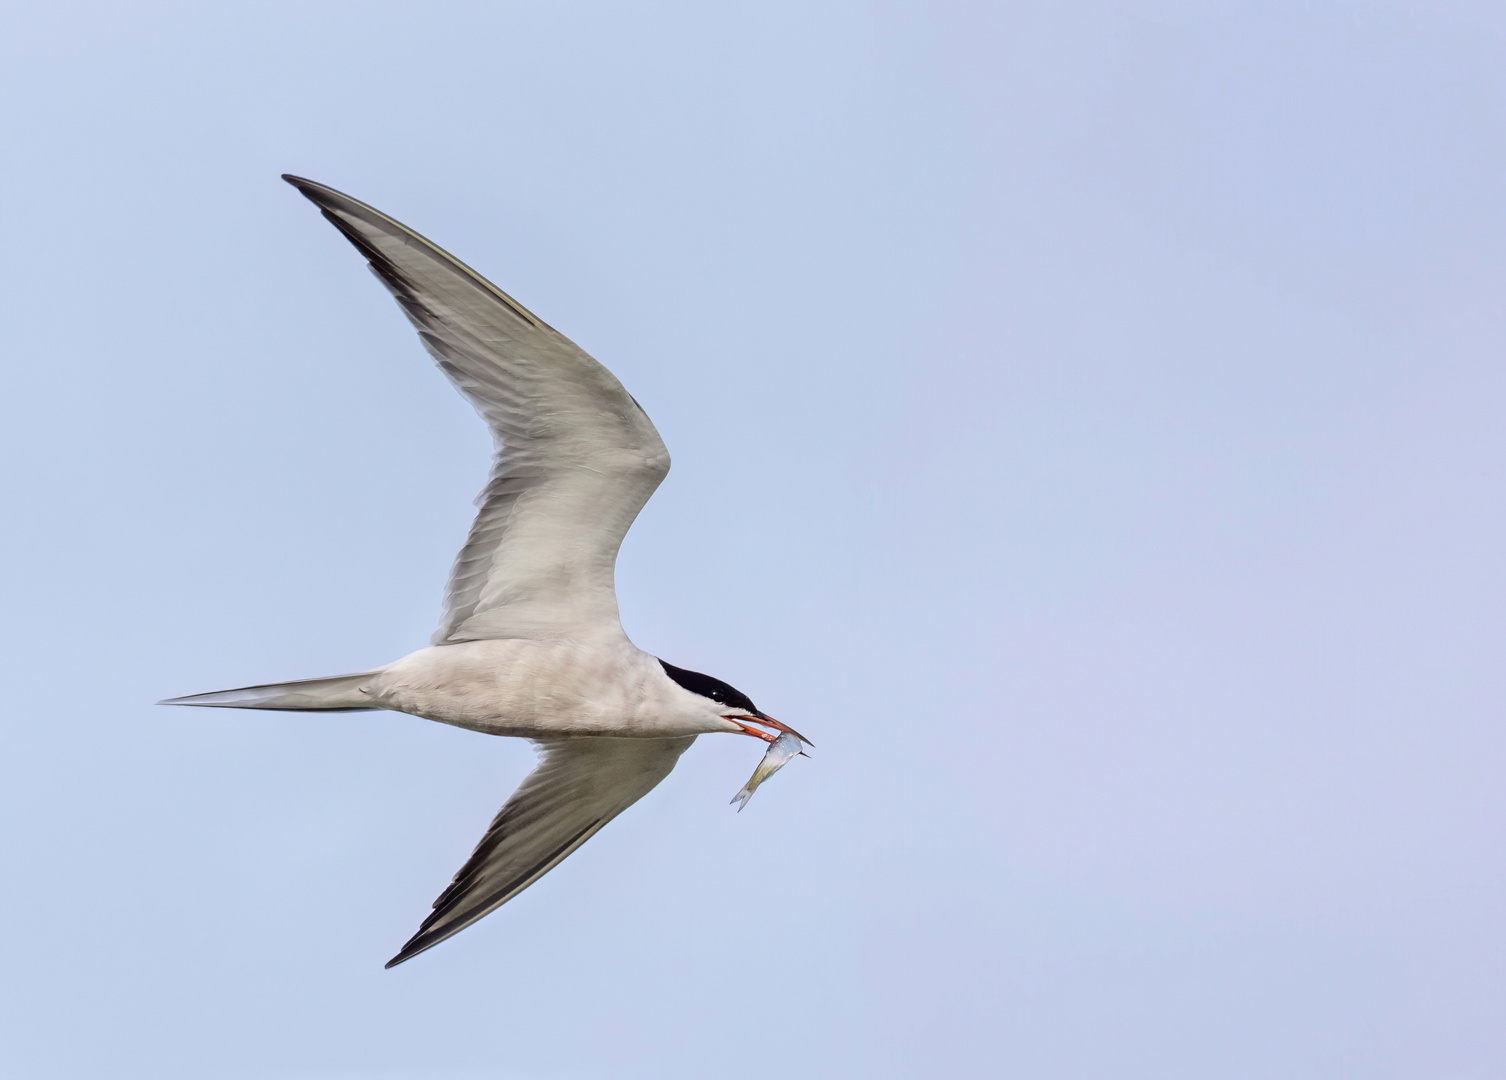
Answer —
(767, 721)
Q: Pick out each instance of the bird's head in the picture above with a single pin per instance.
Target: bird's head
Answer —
(729, 703)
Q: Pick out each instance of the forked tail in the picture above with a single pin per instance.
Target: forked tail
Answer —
(339, 693)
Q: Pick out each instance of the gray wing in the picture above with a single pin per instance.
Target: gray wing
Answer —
(578, 786)
(576, 456)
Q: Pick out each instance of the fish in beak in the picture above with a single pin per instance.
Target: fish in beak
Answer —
(779, 753)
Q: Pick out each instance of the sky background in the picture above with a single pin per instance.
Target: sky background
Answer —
(1087, 425)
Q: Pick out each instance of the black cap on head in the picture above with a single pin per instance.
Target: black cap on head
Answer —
(714, 689)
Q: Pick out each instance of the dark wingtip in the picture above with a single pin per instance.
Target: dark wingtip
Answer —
(408, 953)
(312, 190)
(411, 948)
(319, 194)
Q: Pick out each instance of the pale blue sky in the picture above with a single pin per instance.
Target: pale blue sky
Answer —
(1087, 423)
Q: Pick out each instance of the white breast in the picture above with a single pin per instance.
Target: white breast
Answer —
(543, 687)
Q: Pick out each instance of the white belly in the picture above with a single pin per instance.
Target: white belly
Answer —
(539, 689)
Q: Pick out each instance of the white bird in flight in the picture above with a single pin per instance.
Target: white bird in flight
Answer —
(530, 643)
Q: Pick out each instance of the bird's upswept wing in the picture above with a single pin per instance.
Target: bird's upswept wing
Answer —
(578, 786)
(576, 456)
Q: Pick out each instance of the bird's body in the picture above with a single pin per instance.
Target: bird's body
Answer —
(530, 643)
(544, 688)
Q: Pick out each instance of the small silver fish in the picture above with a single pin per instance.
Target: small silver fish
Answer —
(780, 751)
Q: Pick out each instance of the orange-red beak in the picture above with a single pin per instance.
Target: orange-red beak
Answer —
(767, 721)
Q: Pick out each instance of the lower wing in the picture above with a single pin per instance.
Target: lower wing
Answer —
(579, 785)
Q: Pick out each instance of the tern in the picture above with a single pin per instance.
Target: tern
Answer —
(530, 643)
